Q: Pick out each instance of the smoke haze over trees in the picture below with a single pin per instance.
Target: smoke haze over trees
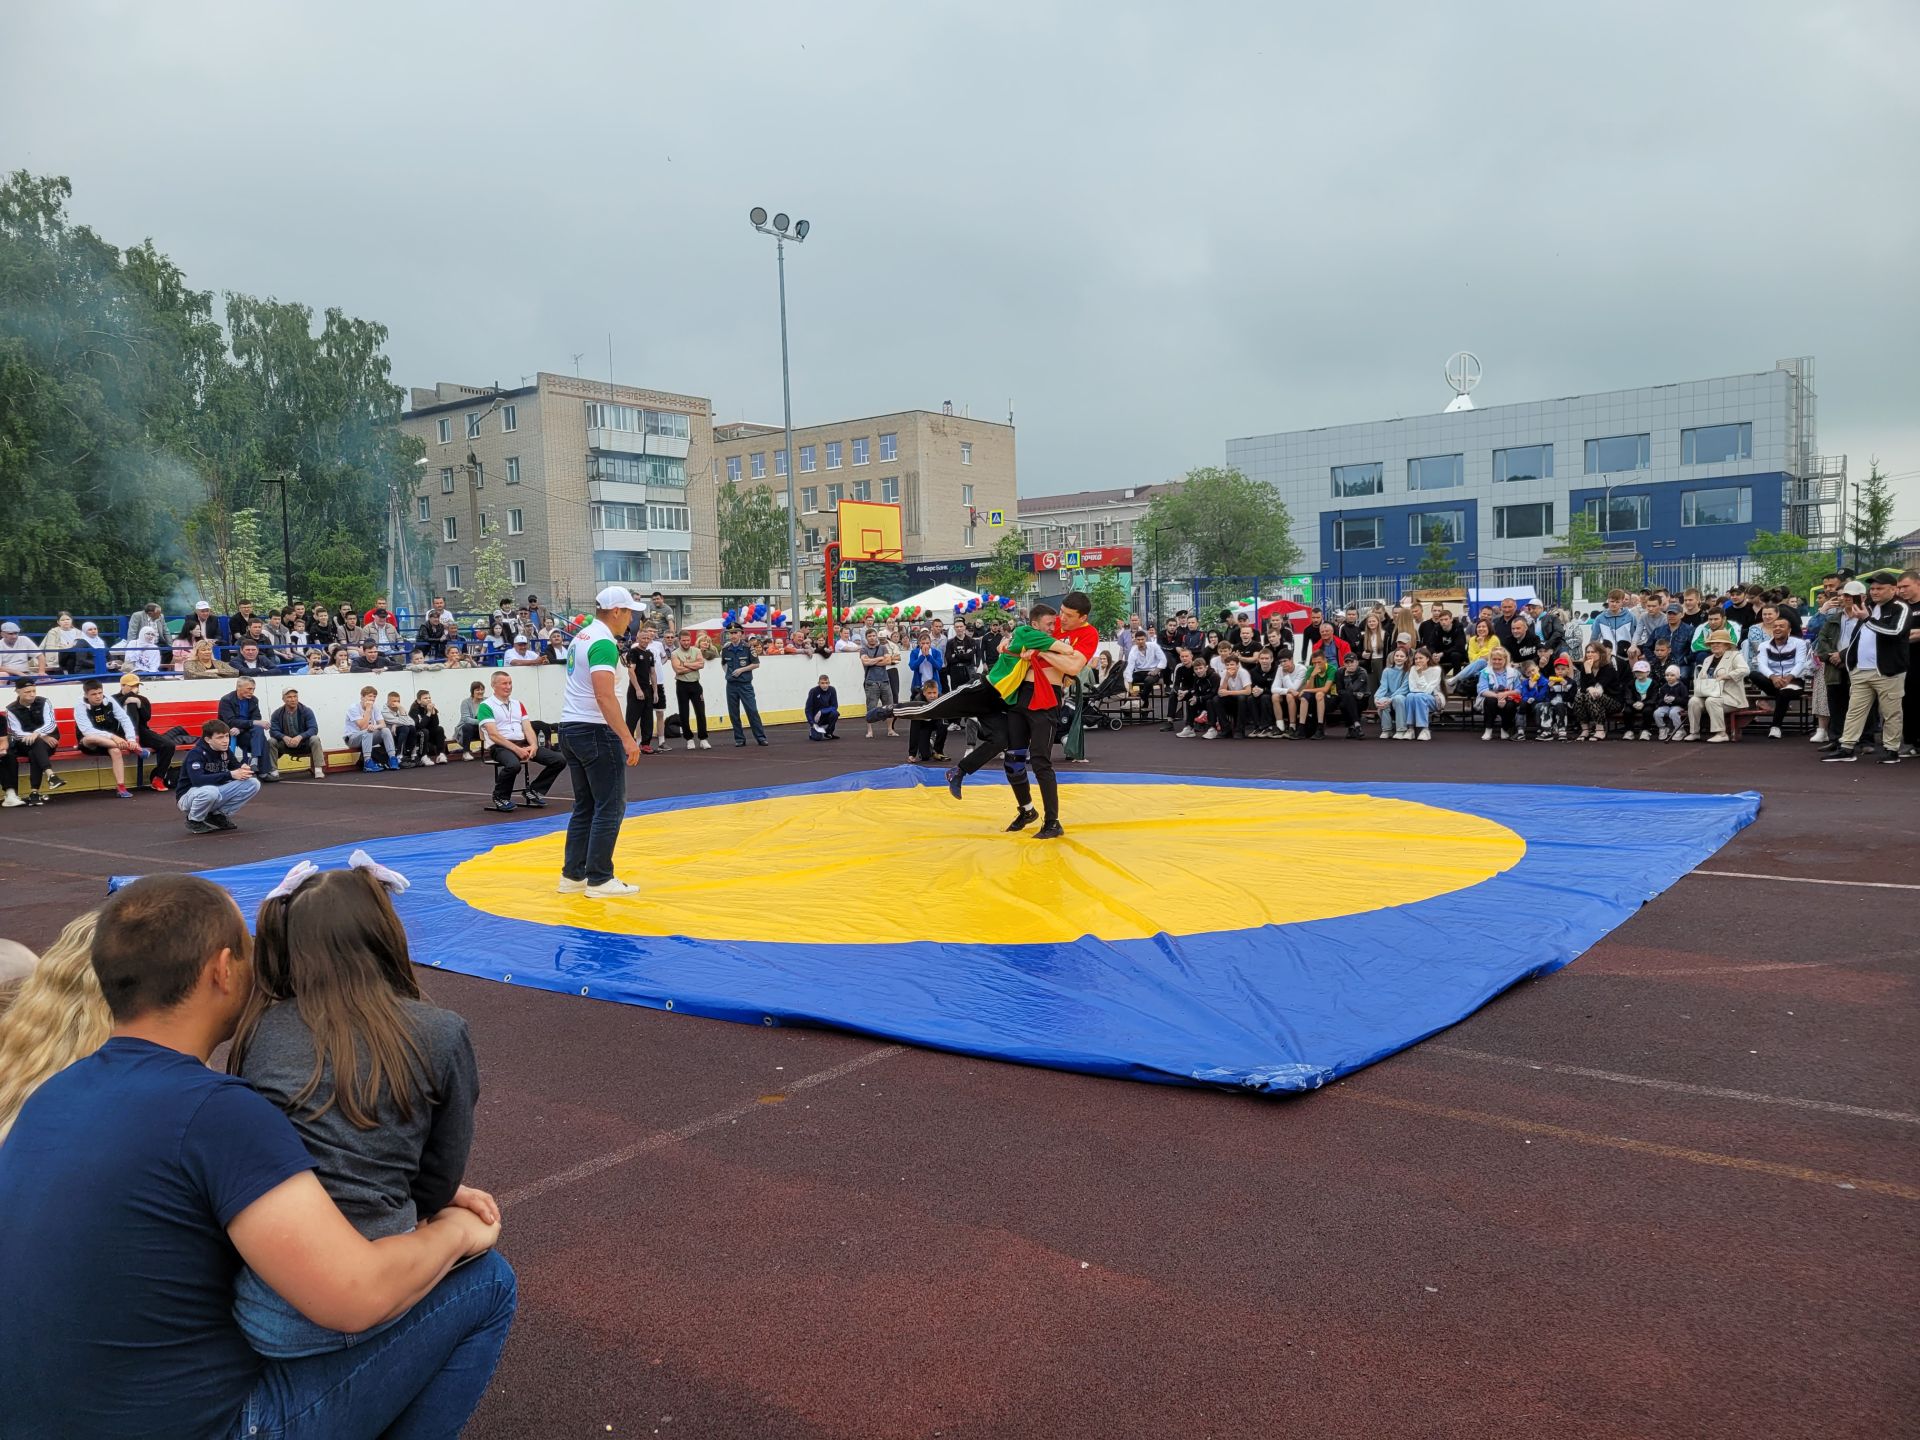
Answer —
(140, 437)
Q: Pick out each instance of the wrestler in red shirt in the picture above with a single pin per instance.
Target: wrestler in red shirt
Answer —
(1023, 735)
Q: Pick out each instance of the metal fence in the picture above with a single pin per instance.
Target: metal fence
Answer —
(1576, 585)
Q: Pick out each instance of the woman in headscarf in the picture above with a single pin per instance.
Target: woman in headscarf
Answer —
(61, 647)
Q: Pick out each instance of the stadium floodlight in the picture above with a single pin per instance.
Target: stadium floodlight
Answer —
(778, 229)
(758, 215)
(780, 222)
(800, 229)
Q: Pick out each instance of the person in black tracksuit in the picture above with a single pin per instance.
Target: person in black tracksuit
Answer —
(140, 711)
(642, 687)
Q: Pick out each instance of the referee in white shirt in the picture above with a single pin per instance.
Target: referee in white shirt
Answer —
(599, 747)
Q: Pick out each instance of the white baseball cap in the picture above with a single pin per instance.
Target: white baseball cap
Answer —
(1640, 667)
(521, 640)
(614, 597)
(202, 605)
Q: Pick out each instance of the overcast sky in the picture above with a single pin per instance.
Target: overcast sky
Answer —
(1148, 226)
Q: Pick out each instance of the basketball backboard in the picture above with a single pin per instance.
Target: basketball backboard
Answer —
(870, 530)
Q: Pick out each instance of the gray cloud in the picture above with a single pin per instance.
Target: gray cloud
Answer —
(1151, 227)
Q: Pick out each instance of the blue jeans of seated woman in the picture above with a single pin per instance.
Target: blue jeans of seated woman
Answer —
(1412, 710)
(418, 1377)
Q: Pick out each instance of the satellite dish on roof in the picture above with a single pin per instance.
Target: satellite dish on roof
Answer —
(1463, 373)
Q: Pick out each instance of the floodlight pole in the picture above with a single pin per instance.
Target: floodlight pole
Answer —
(778, 230)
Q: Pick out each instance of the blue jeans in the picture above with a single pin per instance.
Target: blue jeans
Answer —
(252, 742)
(203, 800)
(278, 1331)
(598, 768)
(741, 697)
(419, 1377)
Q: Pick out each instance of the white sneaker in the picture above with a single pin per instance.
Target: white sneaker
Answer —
(1773, 733)
(1716, 739)
(1404, 735)
(11, 801)
(1819, 737)
(706, 744)
(1186, 733)
(1210, 734)
(1426, 734)
(612, 889)
(1486, 734)
(319, 772)
(572, 887)
(1646, 734)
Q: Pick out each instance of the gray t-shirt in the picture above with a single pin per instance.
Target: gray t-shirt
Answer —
(385, 1179)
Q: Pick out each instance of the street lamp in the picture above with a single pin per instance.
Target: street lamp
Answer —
(778, 229)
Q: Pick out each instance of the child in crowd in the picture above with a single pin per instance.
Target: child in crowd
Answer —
(403, 730)
(1560, 695)
(429, 734)
(927, 739)
(1314, 693)
(1288, 703)
(1642, 701)
(379, 1084)
(1670, 704)
(1536, 699)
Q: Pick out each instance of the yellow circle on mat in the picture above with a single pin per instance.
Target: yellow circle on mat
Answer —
(865, 867)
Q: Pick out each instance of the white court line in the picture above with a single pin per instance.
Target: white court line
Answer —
(662, 1138)
(1802, 879)
(110, 854)
(1678, 1087)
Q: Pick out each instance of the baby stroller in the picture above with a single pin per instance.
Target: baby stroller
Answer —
(1109, 704)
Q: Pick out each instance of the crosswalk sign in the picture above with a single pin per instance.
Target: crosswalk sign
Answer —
(996, 518)
(1070, 561)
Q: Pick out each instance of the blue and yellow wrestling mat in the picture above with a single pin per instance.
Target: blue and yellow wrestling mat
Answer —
(1270, 935)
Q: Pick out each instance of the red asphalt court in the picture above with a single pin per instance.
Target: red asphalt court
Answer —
(1671, 1191)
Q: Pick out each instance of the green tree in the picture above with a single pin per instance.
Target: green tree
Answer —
(491, 578)
(1582, 554)
(753, 539)
(1219, 523)
(1436, 563)
(339, 571)
(226, 560)
(1111, 597)
(1005, 571)
(1870, 525)
(1786, 560)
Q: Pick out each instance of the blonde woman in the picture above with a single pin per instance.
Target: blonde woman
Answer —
(201, 664)
(59, 1017)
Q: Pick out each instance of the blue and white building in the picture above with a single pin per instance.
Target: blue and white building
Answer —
(1679, 476)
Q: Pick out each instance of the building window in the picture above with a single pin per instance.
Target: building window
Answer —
(757, 465)
(486, 523)
(1731, 506)
(809, 498)
(1352, 480)
(516, 522)
(833, 454)
(1618, 452)
(863, 488)
(612, 515)
(835, 493)
(519, 572)
(446, 480)
(509, 419)
(1437, 472)
(643, 470)
(426, 507)
(513, 469)
(479, 473)
(473, 427)
(1522, 522)
(890, 489)
(1358, 534)
(1421, 525)
(1716, 444)
(1621, 513)
(780, 464)
(966, 538)
(636, 421)
(450, 528)
(889, 446)
(966, 452)
(733, 468)
(446, 432)
(669, 517)
(966, 494)
(1523, 462)
(861, 445)
(807, 455)
(453, 577)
